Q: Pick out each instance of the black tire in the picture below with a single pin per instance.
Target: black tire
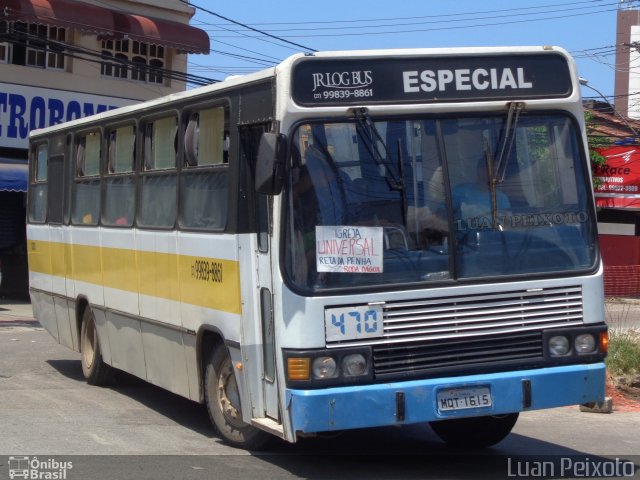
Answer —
(475, 432)
(223, 403)
(93, 367)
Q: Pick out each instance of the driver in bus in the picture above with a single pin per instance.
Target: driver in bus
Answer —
(472, 202)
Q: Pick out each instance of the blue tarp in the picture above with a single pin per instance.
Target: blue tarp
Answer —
(13, 176)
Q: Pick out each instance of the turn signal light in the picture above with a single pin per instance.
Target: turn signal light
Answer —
(604, 342)
(298, 368)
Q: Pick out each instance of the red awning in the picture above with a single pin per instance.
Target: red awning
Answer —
(60, 13)
(161, 32)
(107, 22)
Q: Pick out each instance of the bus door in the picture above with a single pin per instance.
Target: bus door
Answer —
(263, 303)
(62, 285)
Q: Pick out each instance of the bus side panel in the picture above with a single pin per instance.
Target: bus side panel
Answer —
(157, 276)
(209, 294)
(44, 312)
(125, 340)
(119, 270)
(164, 358)
(87, 264)
(59, 252)
(63, 320)
(40, 279)
(191, 361)
(209, 275)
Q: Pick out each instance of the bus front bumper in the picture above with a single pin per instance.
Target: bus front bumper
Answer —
(415, 401)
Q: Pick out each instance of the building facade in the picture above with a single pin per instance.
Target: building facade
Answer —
(65, 59)
(617, 192)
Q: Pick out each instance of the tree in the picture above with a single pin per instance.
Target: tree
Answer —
(595, 143)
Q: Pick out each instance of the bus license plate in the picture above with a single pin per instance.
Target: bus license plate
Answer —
(461, 398)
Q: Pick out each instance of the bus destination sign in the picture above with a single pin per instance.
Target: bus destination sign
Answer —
(333, 82)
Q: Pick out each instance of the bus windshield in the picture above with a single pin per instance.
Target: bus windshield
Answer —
(377, 203)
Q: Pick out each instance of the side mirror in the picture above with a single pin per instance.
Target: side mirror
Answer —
(270, 163)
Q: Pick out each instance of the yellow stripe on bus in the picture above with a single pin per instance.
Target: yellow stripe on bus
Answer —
(206, 282)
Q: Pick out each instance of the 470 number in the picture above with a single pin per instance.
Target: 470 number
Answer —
(349, 323)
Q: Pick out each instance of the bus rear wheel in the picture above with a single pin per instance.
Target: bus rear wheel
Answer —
(222, 397)
(94, 369)
(475, 432)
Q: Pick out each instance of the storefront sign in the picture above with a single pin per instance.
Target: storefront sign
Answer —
(619, 178)
(24, 108)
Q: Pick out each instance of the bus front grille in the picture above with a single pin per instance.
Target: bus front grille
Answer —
(454, 332)
(442, 355)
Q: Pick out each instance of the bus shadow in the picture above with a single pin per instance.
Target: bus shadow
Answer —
(415, 452)
(184, 412)
(406, 452)
(70, 369)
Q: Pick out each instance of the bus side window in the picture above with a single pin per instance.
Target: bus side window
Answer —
(120, 187)
(158, 202)
(38, 187)
(204, 180)
(86, 195)
(204, 137)
(159, 151)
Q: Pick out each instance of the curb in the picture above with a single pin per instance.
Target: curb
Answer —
(18, 322)
(598, 407)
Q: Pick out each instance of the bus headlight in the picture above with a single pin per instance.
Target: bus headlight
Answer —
(354, 365)
(585, 343)
(558, 346)
(324, 367)
(320, 368)
(576, 345)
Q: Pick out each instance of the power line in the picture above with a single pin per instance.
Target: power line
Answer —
(440, 20)
(442, 28)
(83, 53)
(248, 27)
(248, 50)
(317, 22)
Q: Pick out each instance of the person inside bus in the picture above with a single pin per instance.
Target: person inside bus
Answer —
(427, 222)
(472, 202)
(319, 199)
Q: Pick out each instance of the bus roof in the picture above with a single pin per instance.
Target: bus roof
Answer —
(288, 64)
(150, 104)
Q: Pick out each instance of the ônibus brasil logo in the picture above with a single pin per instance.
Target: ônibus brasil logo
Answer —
(36, 469)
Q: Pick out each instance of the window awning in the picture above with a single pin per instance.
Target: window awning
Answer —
(109, 23)
(13, 176)
(61, 13)
(161, 32)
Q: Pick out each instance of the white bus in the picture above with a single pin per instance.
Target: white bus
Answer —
(347, 240)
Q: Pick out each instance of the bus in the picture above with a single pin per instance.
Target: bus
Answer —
(344, 241)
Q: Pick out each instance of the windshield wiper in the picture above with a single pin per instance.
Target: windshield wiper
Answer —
(372, 139)
(508, 137)
(493, 187)
(497, 168)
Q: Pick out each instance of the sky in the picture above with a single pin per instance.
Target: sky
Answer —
(586, 28)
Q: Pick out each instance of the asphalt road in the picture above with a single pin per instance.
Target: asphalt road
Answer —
(135, 430)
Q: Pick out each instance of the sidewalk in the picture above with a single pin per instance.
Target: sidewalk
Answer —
(15, 312)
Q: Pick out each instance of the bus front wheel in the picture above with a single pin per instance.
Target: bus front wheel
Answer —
(222, 397)
(94, 369)
(475, 432)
